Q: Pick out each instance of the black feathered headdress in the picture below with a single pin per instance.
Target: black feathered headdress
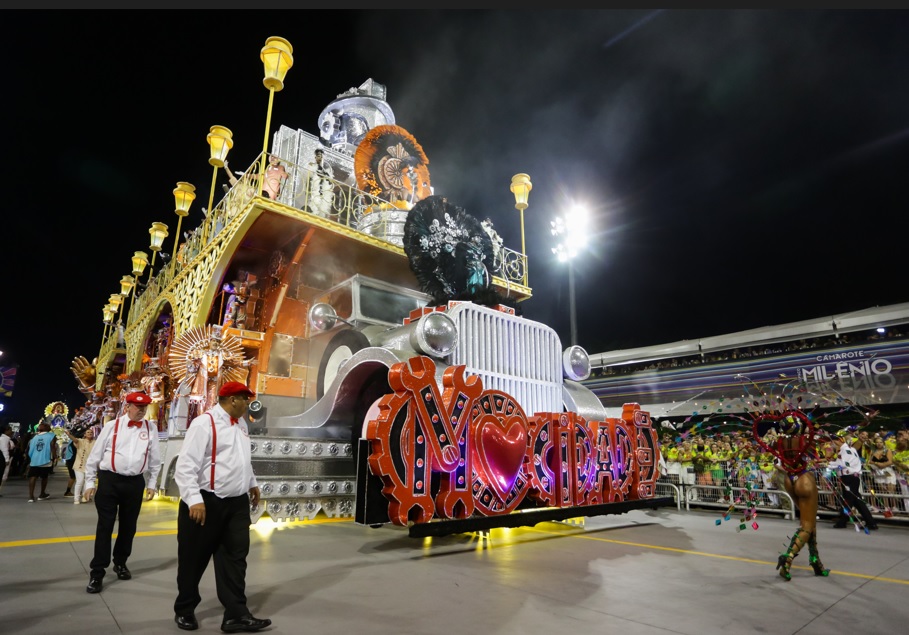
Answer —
(450, 253)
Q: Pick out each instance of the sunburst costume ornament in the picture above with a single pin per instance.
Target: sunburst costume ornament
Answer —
(56, 415)
(390, 164)
(61, 409)
(198, 341)
(202, 353)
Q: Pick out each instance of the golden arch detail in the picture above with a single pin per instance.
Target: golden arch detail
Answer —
(189, 294)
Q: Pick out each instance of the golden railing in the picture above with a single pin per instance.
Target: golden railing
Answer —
(346, 207)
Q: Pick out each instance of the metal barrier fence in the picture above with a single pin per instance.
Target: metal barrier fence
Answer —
(735, 483)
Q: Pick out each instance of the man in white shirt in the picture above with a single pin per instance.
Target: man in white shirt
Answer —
(125, 460)
(849, 465)
(217, 486)
(6, 450)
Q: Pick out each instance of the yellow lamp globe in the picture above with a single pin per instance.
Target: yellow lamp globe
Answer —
(184, 195)
(140, 261)
(126, 285)
(521, 186)
(220, 141)
(277, 57)
(158, 233)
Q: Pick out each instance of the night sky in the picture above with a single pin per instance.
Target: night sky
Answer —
(744, 168)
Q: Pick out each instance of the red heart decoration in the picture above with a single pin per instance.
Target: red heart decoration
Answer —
(790, 424)
(499, 448)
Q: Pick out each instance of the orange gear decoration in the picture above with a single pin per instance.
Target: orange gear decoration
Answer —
(646, 452)
(419, 431)
(485, 455)
(390, 164)
(615, 440)
(562, 457)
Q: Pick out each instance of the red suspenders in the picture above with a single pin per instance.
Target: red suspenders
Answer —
(147, 446)
(214, 451)
(113, 449)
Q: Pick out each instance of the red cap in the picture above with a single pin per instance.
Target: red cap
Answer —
(138, 398)
(235, 388)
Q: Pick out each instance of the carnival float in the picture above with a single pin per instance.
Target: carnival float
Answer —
(396, 384)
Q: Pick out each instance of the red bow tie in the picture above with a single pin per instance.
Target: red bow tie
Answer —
(134, 424)
(234, 421)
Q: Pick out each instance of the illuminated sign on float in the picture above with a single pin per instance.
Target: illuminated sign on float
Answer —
(466, 450)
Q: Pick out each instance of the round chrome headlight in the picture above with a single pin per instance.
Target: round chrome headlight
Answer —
(322, 317)
(436, 335)
(575, 363)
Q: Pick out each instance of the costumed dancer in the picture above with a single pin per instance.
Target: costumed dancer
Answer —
(321, 188)
(275, 176)
(153, 384)
(97, 412)
(792, 445)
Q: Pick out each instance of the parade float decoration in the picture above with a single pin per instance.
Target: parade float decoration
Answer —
(201, 360)
(395, 380)
(7, 380)
(56, 415)
(391, 166)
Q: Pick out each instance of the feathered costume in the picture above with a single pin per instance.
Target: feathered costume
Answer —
(450, 253)
(390, 164)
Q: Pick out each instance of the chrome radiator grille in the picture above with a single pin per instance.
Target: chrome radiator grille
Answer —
(511, 354)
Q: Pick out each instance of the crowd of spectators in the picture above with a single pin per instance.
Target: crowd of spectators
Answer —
(19, 458)
(711, 464)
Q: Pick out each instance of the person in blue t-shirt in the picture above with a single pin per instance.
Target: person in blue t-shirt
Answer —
(42, 452)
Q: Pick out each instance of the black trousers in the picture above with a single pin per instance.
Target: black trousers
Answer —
(225, 535)
(849, 488)
(118, 498)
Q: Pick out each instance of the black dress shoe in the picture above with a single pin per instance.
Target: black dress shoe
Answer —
(122, 572)
(94, 585)
(186, 622)
(246, 623)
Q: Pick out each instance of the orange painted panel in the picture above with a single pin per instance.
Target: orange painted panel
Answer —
(280, 386)
(292, 317)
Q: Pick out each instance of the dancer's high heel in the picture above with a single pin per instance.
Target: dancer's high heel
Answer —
(818, 566)
(814, 559)
(783, 565)
(795, 545)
